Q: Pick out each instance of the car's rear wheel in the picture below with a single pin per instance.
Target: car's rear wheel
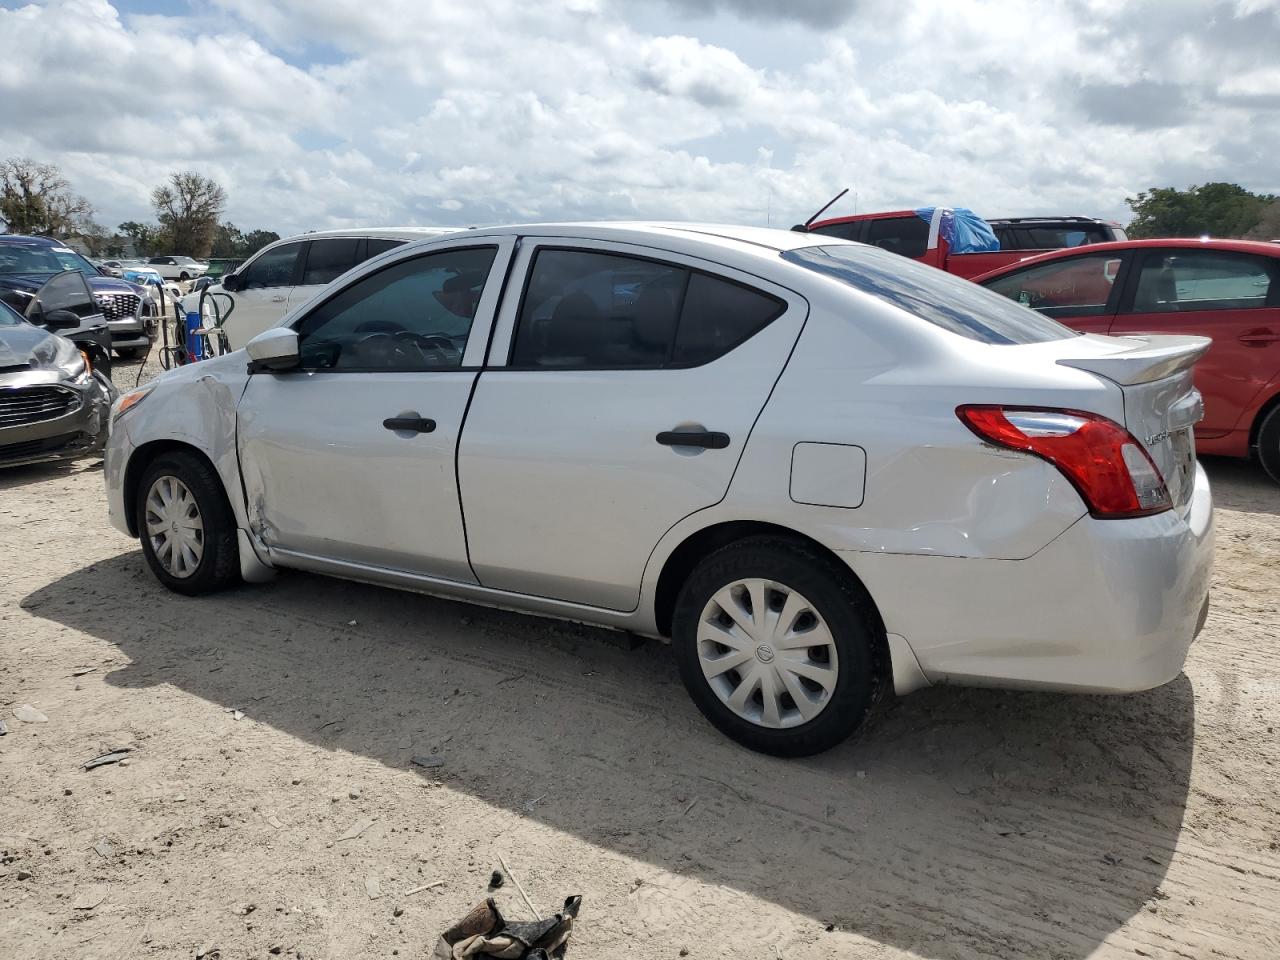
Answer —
(185, 524)
(184, 276)
(779, 650)
(1269, 444)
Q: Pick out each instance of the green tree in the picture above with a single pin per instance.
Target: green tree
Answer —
(1216, 209)
(146, 237)
(229, 241)
(188, 208)
(36, 198)
(1268, 225)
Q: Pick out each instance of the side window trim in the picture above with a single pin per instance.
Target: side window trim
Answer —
(529, 261)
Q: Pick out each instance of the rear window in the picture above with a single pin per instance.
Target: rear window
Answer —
(955, 305)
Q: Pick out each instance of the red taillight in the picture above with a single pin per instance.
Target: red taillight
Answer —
(1113, 473)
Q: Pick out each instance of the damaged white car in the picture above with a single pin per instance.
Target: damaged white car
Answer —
(822, 471)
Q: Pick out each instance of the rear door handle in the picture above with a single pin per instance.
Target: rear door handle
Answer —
(1257, 338)
(707, 439)
(410, 424)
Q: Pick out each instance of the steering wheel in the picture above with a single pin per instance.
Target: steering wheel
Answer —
(434, 343)
(382, 347)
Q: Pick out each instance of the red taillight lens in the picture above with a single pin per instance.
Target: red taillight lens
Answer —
(1113, 473)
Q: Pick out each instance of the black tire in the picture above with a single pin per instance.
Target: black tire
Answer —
(219, 566)
(1269, 444)
(184, 276)
(849, 614)
(129, 353)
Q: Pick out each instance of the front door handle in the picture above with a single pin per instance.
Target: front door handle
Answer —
(1258, 338)
(707, 439)
(410, 424)
(279, 299)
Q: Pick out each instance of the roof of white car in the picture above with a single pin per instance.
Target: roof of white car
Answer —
(771, 238)
(398, 233)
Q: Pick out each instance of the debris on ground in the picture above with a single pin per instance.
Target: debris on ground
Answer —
(355, 830)
(114, 756)
(103, 849)
(426, 886)
(4, 728)
(29, 714)
(209, 950)
(485, 932)
(235, 714)
(433, 761)
(496, 880)
(82, 671)
(90, 897)
(373, 887)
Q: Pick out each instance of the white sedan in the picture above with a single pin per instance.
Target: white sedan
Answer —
(822, 471)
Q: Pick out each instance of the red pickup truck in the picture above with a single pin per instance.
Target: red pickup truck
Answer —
(959, 241)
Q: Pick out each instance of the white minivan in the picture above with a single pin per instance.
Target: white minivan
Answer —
(288, 272)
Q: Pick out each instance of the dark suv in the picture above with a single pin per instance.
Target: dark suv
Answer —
(1053, 233)
(27, 263)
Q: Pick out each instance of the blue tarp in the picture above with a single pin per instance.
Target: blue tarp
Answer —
(964, 230)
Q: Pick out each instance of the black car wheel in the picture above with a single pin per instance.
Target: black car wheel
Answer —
(1269, 444)
(185, 523)
(779, 650)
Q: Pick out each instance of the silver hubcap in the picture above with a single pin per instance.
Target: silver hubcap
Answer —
(767, 653)
(174, 526)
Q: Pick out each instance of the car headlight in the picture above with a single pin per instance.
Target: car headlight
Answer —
(127, 401)
(71, 363)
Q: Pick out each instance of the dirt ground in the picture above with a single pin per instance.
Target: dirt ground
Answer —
(971, 823)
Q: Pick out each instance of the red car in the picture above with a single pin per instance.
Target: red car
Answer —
(1228, 290)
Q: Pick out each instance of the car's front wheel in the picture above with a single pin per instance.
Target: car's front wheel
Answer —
(780, 650)
(186, 526)
(184, 276)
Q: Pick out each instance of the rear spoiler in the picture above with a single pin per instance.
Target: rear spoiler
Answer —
(1157, 357)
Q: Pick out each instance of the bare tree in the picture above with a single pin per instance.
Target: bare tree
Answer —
(188, 208)
(36, 198)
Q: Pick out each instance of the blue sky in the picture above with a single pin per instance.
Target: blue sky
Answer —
(318, 113)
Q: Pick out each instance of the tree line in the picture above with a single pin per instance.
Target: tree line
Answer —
(36, 198)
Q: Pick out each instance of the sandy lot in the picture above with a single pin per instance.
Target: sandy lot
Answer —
(970, 824)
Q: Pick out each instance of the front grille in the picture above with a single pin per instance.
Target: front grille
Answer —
(34, 448)
(118, 306)
(23, 405)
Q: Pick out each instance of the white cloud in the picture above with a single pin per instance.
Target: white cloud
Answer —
(319, 113)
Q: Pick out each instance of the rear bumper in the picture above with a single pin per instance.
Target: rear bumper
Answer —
(1110, 606)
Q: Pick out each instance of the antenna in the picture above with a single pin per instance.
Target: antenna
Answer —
(826, 207)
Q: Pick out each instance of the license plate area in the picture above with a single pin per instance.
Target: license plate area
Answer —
(1182, 470)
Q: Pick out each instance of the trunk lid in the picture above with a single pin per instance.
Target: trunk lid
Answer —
(1161, 404)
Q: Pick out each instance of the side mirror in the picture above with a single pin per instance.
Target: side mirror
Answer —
(273, 350)
(231, 282)
(60, 319)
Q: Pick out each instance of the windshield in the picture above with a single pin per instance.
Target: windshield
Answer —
(9, 317)
(34, 258)
(931, 294)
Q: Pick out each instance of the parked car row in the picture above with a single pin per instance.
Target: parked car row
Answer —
(822, 470)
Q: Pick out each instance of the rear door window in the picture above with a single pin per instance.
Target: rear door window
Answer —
(1072, 287)
(933, 295)
(1184, 280)
(908, 236)
(590, 310)
(379, 245)
(329, 258)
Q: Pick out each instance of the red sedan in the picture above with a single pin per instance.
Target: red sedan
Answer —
(1228, 290)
